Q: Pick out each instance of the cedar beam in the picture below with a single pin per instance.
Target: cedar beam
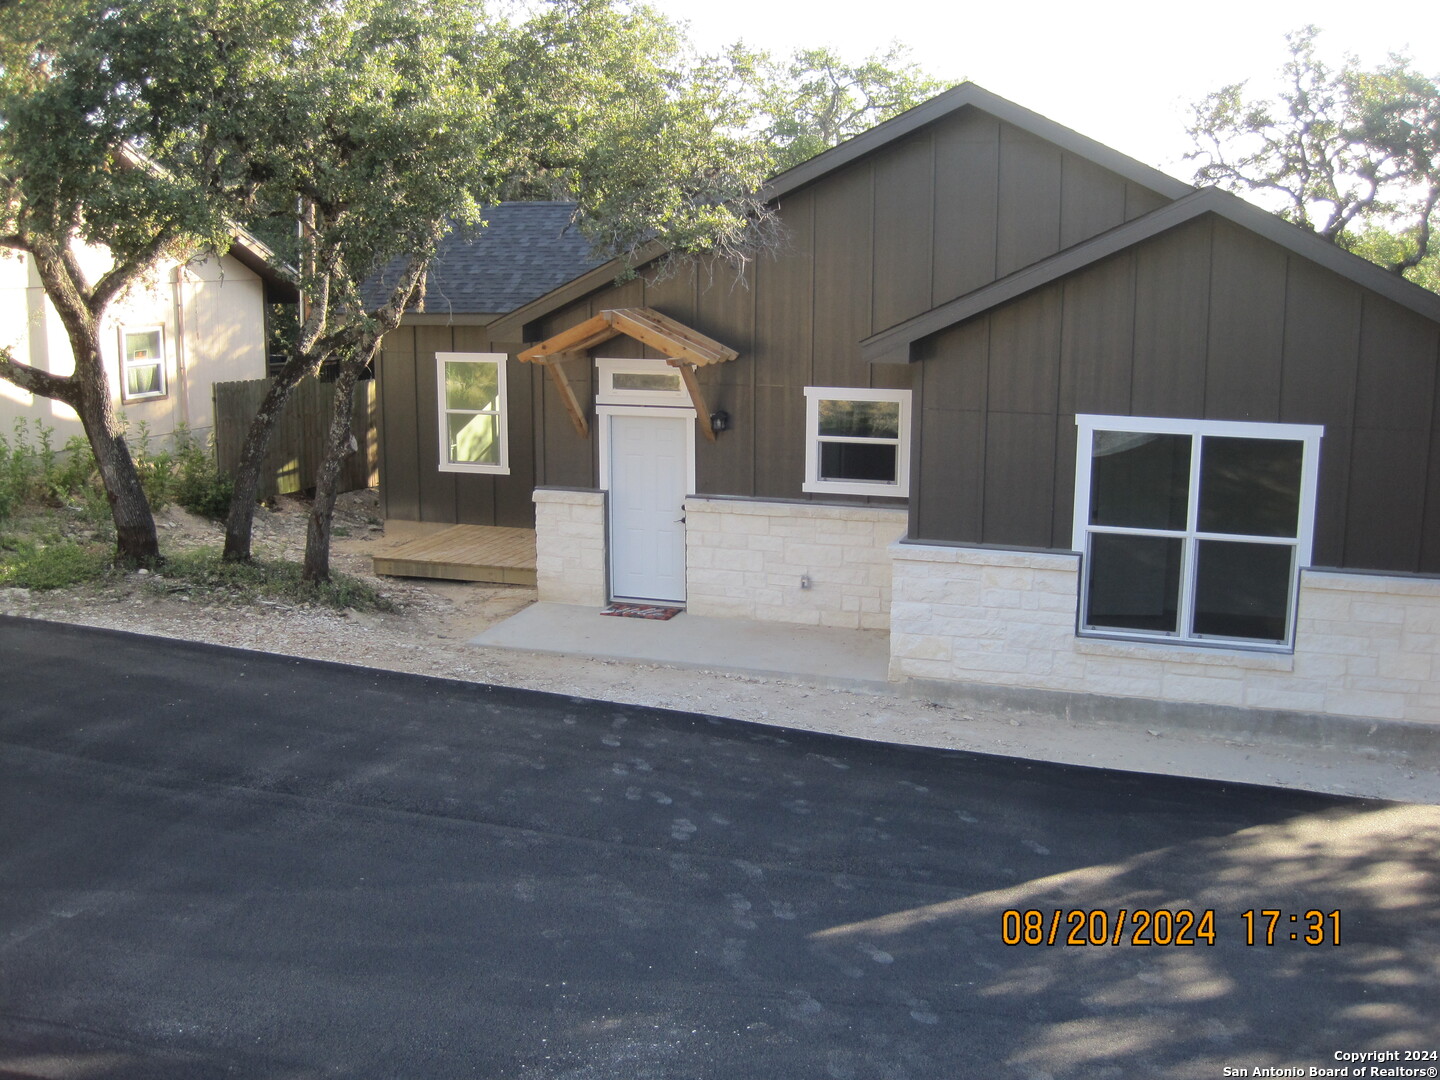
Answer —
(567, 397)
(676, 340)
(670, 337)
(702, 411)
(577, 339)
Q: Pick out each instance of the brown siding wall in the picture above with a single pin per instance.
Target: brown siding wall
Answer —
(933, 216)
(412, 488)
(1207, 321)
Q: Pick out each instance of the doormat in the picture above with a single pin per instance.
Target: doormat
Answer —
(641, 611)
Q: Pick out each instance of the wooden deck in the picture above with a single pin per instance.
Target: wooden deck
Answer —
(463, 553)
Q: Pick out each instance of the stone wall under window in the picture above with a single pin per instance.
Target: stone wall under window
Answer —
(1366, 645)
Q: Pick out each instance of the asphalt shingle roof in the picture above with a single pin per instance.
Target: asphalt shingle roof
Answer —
(527, 249)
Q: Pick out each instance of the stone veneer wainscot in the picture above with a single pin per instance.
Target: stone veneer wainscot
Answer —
(1365, 645)
(746, 558)
(570, 546)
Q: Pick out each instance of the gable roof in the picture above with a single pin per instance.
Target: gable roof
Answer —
(892, 345)
(524, 251)
(966, 95)
(670, 336)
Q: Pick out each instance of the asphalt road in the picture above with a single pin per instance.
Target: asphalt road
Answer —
(216, 863)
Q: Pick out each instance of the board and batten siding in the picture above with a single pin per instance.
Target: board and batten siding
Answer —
(1205, 321)
(921, 221)
(412, 487)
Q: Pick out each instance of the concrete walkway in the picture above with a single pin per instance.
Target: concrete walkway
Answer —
(843, 659)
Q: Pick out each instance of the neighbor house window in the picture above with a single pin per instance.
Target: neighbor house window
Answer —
(472, 412)
(857, 442)
(1193, 530)
(142, 363)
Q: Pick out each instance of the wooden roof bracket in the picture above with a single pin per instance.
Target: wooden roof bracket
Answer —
(685, 349)
(567, 398)
(702, 411)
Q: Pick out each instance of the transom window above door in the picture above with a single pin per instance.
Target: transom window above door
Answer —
(1193, 530)
(857, 442)
(639, 382)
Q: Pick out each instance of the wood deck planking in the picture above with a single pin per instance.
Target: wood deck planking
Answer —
(465, 553)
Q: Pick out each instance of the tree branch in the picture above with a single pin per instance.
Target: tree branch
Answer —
(119, 278)
(40, 383)
(1423, 235)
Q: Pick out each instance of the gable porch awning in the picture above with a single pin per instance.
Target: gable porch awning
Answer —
(685, 349)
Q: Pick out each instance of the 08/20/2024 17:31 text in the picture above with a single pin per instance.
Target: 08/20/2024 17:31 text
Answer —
(1162, 926)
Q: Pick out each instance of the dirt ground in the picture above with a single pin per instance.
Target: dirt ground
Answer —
(429, 631)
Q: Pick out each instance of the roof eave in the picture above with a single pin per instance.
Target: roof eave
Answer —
(512, 325)
(894, 343)
(256, 256)
(968, 94)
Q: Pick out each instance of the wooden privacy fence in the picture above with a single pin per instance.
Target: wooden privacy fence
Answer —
(298, 444)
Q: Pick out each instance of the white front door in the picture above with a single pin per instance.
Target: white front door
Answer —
(649, 479)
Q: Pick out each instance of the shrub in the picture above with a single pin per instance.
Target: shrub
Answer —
(265, 579)
(23, 466)
(76, 472)
(156, 468)
(199, 485)
(60, 565)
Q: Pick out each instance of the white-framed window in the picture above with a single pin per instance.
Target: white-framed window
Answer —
(639, 382)
(857, 442)
(1193, 530)
(142, 363)
(473, 424)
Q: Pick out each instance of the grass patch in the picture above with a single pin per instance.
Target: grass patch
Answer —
(203, 572)
(62, 564)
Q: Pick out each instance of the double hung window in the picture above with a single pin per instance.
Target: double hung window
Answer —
(857, 442)
(1193, 530)
(142, 363)
(471, 394)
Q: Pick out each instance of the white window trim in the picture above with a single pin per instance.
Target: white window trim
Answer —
(606, 393)
(125, 364)
(500, 468)
(1303, 543)
(900, 488)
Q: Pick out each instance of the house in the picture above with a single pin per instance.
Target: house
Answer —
(524, 251)
(1062, 425)
(166, 343)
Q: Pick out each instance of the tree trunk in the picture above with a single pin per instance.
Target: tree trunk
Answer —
(240, 522)
(136, 542)
(339, 445)
(87, 391)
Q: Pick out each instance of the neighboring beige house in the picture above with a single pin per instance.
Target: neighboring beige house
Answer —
(166, 343)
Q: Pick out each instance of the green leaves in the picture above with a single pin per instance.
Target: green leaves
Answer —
(816, 99)
(607, 106)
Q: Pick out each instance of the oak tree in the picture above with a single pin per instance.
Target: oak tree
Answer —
(1350, 153)
(815, 99)
(81, 123)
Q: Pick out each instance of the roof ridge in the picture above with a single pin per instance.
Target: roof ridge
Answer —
(966, 95)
